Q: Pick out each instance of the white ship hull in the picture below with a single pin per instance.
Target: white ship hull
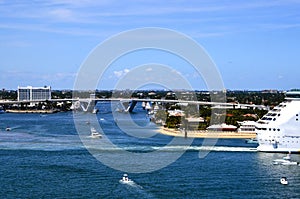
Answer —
(279, 129)
(275, 141)
(270, 148)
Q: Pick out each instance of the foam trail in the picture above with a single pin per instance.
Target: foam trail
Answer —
(173, 148)
(30, 141)
(14, 127)
(137, 189)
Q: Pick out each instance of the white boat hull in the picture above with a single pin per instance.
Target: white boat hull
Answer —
(126, 181)
(270, 148)
(284, 162)
(284, 182)
(95, 136)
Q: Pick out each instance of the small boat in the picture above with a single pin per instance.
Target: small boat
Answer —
(251, 141)
(95, 134)
(283, 181)
(288, 156)
(125, 179)
(95, 111)
(290, 163)
(284, 162)
(8, 128)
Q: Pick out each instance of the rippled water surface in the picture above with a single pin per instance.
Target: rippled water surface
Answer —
(43, 157)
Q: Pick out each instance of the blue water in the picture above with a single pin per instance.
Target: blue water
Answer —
(43, 157)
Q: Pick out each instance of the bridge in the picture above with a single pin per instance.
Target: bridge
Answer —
(88, 104)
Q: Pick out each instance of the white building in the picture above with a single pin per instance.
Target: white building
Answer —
(247, 126)
(176, 112)
(34, 93)
(222, 127)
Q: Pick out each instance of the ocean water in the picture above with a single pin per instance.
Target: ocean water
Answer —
(44, 157)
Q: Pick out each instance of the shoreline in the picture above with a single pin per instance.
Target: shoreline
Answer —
(32, 111)
(205, 134)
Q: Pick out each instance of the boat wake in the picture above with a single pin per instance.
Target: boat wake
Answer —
(13, 127)
(171, 148)
(52, 142)
(29, 141)
(207, 148)
(136, 189)
(131, 183)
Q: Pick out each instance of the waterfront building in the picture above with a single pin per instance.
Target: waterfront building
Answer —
(34, 93)
(176, 113)
(247, 126)
(192, 123)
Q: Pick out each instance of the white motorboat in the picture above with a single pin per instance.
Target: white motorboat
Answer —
(251, 141)
(283, 181)
(284, 162)
(125, 179)
(279, 161)
(95, 134)
(288, 156)
(8, 129)
(290, 163)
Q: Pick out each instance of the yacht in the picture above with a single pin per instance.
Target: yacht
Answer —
(285, 160)
(279, 129)
(95, 134)
(125, 179)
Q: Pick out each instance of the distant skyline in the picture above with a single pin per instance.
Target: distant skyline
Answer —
(255, 44)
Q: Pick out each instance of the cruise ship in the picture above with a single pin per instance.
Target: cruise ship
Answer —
(279, 129)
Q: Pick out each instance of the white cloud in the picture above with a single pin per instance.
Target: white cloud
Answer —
(121, 73)
(14, 78)
(61, 13)
(43, 15)
(118, 73)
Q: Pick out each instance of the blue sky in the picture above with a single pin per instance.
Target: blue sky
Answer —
(255, 44)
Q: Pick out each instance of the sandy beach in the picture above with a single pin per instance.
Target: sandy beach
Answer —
(205, 134)
(31, 111)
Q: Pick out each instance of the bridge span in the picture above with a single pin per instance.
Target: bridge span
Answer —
(88, 104)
